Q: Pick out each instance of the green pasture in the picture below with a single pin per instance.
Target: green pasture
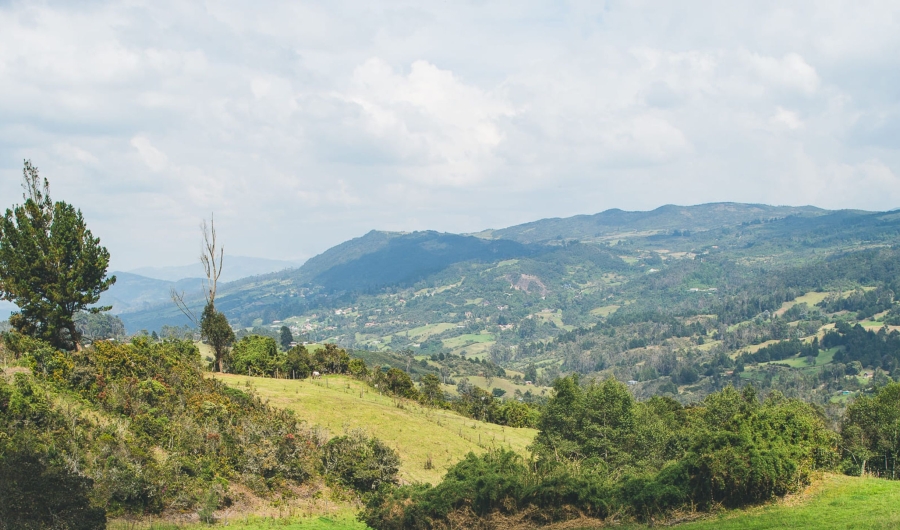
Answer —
(604, 311)
(468, 338)
(423, 332)
(477, 350)
(834, 502)
(505, 384)
(811, 298)
(339, 403)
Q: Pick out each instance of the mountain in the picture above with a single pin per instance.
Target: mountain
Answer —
(573, 265)
(236, 267)
(615, 222)
(133, 292)
(407, 258)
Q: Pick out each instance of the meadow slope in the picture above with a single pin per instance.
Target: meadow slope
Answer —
(339, 403)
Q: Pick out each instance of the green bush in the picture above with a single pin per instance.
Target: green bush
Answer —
(255, 355)
(601, 452)
(36, 496)
(360, 462)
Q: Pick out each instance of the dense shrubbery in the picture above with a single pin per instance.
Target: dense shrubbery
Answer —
(870, 431)
(360, 462)
(876, 349)
(782, 350)
(601, 452)
(143, 424)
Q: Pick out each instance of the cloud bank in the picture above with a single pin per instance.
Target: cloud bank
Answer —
(303, 125)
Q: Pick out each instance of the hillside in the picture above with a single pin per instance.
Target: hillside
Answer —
(677, 300)
(340, 403)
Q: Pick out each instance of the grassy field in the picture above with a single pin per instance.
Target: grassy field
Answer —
(477, 350)
(505, 384)
(811, 298)
(468, 338)
(834, 502)
(338, 403)
(604, 311)
(423, 332)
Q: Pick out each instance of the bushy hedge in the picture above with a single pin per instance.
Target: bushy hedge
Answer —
(148, 429)
(600, 452)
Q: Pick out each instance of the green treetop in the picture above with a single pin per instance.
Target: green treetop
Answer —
(51, 266)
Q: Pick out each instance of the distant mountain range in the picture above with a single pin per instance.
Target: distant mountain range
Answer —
(256, 289)
(237, 267)
(390, 260)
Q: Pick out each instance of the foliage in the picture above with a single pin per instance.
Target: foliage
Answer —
(215, 328)
(360, 462)
(99, 326)
(142, 422)
(37, 496)
(285, 337)
(51, 266)
(601, 452)
(870, 431)
(255, 355)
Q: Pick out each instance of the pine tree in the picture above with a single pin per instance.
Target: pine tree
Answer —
(51, 266)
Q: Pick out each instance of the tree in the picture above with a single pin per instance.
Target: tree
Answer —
(409, 355)
(51, 265)
(101, 326)
(286, 337)
(255, 355)
(215, 327)
(431, 389)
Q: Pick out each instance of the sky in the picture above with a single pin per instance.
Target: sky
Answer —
(303, 124)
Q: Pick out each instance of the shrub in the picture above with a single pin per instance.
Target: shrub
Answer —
(360, 462)
(255, 355)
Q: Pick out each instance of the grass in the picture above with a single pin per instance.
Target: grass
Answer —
(468, 338)
(835, 501)
(477, 350)
(338, 403)
(423, 332)
(552, 316)
(505, 384)
(811, 298)
(604, 311)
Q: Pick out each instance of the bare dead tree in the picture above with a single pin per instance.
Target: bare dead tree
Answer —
(212, 264)
(178, 298)
(211, 257)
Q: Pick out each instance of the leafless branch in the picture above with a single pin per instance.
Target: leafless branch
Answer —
(178, 298)
(212, 263)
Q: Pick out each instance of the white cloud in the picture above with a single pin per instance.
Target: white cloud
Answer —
(155, 159)
(315, 123)
(786, 118)
(446, 130)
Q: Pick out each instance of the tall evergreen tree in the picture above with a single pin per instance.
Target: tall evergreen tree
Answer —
(51, 266)
(286, 337)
